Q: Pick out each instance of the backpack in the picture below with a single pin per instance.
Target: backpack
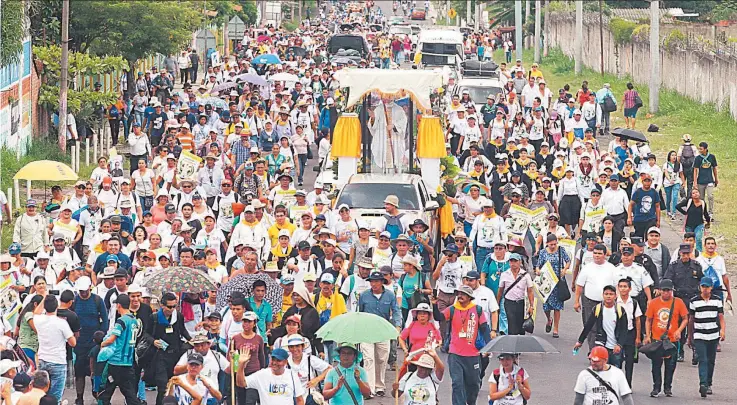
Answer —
(114, 113)
(394, 225)
(688, 157)
(480, 340)
(497, 374)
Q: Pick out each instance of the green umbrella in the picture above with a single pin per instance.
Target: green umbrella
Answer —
(357, 327)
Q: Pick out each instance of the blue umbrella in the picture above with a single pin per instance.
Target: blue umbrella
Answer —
(267, 59)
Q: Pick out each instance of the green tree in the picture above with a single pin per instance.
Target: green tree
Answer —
(11, 31)
(79, 64)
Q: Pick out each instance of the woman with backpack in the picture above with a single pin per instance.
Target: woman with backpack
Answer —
(415, 285)
(673, 178)
(509, 384)
(632, 102)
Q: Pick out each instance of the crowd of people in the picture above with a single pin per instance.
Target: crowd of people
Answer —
(80, 263)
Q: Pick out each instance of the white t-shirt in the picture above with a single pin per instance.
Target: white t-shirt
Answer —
(214, 362)
(419, 391)
(609, 324)
(316, 364)
(514, 397)
(275, 389)
(183, 397)
(450, 277)
(53, 333)
(359, 285)
(595, 393)
(346, 229)
(593, 278)
(144, 183)
(3, 202)
(217, 273)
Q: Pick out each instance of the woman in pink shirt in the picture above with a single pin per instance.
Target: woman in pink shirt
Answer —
(421, 332)
(407, 47)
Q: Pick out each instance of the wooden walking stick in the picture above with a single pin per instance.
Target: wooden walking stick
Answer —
(233, 363)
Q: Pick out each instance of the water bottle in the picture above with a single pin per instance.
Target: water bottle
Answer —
(575, 350)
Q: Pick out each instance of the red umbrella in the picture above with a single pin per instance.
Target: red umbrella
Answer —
(263, 38)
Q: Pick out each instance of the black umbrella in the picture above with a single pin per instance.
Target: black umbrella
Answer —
(519, 344)
(627, 133)
(244, 284)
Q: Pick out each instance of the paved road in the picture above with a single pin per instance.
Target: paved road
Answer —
(553, 376)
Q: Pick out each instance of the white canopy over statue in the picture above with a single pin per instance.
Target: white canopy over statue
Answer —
(419, 84)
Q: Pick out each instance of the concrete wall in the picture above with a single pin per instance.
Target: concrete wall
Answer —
(702, 77)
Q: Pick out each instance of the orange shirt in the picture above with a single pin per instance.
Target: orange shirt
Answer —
(187, 141)
(659, 312)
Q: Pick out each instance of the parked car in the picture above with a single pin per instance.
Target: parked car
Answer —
(417, 14)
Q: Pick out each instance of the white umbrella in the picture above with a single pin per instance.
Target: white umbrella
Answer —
(284, 77)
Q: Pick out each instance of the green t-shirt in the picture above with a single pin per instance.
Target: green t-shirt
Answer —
(342, 397)
(27, 339)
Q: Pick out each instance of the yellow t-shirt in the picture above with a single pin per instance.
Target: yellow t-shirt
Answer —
(274, 231)
(336, 304)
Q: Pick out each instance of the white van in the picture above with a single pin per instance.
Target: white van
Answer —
(441, 48)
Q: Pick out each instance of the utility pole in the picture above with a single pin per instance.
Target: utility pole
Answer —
(538, 14)
(447, 12)
(527, 18)
(546, 28)
(654, 56)
(601, 38)
(578, 42)
(468, 13)
(477, 17)
(64, 85)
(518, 28)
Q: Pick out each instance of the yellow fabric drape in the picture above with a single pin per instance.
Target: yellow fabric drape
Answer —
(347, 136)
(447, 225)
(430, 140)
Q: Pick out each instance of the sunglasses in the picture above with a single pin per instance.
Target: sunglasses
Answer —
(171, 306)
(227, 185)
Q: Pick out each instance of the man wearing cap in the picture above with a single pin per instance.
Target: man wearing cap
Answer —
(113, 249)
(487, 228)
(590, 283)
(122, 338)
(277, 382)
(602, 382)
(75, 201)
(249, 231)
(168, 331)
(190, 387)
(467, 322)
(685, 274)
(62, 257)
(53, 332)
(656, 251)
(213, 363)
(706, 328)
(30, 230)
(667, 318)
(642, 281)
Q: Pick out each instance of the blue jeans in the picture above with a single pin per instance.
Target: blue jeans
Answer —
(707, 352)
(671, 197)
(139, 117)
(399, 57)
(57, 376)
(385, 63)
(615, 359)
(699, 231)
(465, 378)
(302, 159)
(467, 226)
(481, 253)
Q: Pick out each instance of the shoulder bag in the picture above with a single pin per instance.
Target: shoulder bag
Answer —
(659, 347)
(604, 383)
(564, 293)
(347, 387)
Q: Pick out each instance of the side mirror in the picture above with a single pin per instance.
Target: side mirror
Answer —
(432, 205)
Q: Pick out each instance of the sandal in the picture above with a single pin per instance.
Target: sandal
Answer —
(555, 335)
(549, 326)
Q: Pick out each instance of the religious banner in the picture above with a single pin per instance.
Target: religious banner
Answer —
(519, 220)
(545, 282)
(593, 219)
(538, 221)
(188, 166)
(569, 245)
(9, 300)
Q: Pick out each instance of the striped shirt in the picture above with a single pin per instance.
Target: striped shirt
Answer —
(706, 317)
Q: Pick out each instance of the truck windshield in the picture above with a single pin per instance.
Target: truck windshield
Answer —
(372, 195)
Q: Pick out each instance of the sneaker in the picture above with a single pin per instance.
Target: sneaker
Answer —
(300, 184)
(694, 358)
(668, 392)
(680, 358)
(393, 367)
(380, 393)
(654, 393)
(702, 390)
(708, 390)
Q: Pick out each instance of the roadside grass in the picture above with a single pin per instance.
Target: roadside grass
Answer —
(41, 149)
(678, 115)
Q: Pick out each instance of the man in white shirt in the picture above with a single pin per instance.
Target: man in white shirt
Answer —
(590, 390)
(357, 283)
(628, 268)
(276, 375)
(54, 334)
(529, 93)
(590, 283)
(213, 362)
(616, 202)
